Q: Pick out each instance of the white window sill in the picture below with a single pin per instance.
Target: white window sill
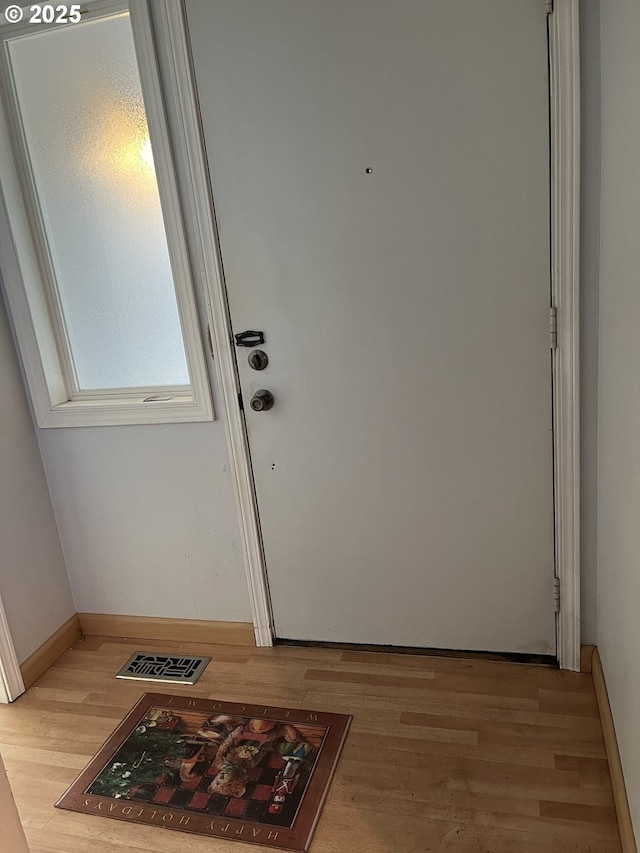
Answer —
(110, 412)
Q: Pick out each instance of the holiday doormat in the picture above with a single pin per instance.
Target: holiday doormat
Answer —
(252, 773)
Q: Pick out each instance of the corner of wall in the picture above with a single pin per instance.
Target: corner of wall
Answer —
(589, 306)
(619, 376)
(34, 584)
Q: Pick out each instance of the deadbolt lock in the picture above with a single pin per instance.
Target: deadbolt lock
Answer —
(261, 401)
(258, 359)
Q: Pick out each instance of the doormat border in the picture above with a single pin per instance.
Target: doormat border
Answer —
(296, 838)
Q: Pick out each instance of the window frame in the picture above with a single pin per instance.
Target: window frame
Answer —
(27, 271)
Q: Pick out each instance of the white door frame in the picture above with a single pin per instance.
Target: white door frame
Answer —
(564, 61)
(171, 28)
(11, 683)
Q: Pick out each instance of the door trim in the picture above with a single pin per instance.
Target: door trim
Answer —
(11, 683)
(170, 26)
(564, 63)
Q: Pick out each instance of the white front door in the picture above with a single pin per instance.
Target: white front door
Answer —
(380, 173)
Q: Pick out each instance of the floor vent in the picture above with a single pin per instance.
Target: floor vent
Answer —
(170, 669)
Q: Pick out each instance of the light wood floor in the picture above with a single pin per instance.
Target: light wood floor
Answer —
(443, 754)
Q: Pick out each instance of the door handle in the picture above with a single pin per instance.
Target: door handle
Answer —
(249, 338)
(262, 401)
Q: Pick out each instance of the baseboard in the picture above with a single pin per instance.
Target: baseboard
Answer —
(586, 655)
(627, 837)
(49, 652)
(170, 630)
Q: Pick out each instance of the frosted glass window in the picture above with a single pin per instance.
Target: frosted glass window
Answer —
(81, 108)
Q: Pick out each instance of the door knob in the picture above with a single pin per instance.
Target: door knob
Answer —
(261, 401)
(258, 359)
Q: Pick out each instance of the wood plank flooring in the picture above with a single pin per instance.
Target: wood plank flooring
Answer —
(443, 754)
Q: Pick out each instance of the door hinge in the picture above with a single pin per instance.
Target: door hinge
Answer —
(556, 595)
(548, 7)
(240, 403)
(209, 338)
(553, 327)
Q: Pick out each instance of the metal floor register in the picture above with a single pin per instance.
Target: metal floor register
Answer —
(170, 669)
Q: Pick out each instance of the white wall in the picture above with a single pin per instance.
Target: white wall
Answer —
(147, 520)
(619, 383)
(33, 582)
